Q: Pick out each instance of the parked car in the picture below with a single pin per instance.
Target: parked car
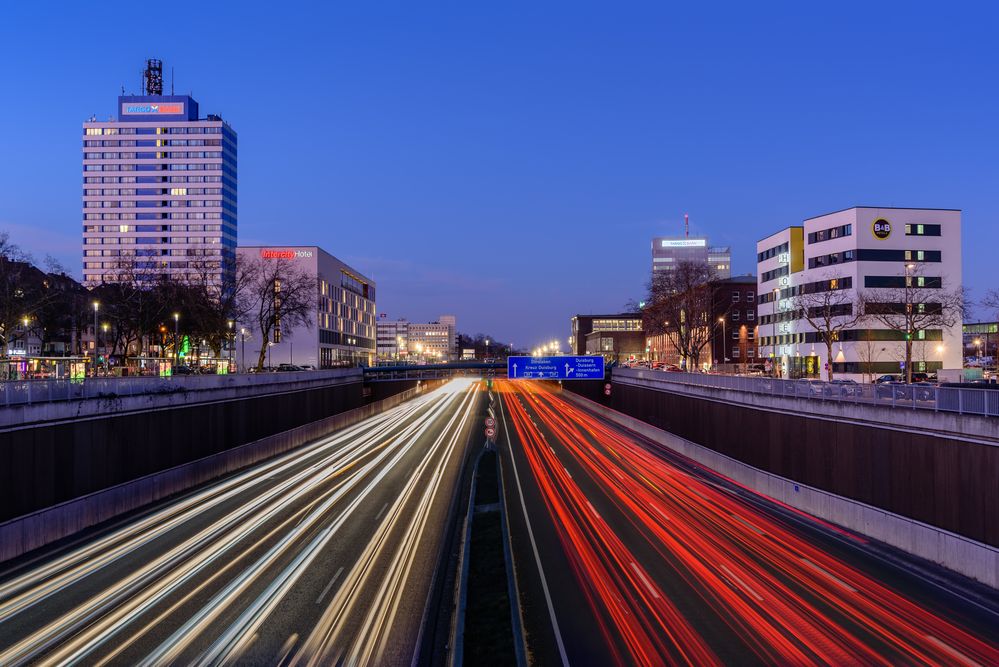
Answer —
(845, 388)
(282, 368)
(183, 370)
(809, 386)
(884, 379)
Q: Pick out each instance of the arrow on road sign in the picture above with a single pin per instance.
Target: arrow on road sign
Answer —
(568, 370)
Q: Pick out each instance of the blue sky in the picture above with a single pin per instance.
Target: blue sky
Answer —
(510, 162)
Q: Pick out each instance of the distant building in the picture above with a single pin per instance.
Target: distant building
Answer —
(859, 250)
(667, 252)
(583, 325)
(733, 318)
(392, 339)
(616, 345)
(159, 190)
(343, 322)
(427, 341)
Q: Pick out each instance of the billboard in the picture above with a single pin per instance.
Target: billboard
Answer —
(152, 109)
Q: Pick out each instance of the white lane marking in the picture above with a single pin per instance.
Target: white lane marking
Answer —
(534, 545)
(829, 575)
(749, 525)
(960, 657)
(645, 581)
(288, 645)
(742, 584)
(379, 515)
(329, 585)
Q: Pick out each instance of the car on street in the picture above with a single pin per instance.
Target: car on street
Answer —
(283, 368)
(809, 387)
(845, 387)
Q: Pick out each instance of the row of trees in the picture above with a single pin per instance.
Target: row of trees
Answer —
(681, 304)
(142, 308)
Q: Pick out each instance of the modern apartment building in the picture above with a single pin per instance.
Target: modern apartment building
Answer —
(870, 253)
(343, 322)
(159, 190)
(668, 251)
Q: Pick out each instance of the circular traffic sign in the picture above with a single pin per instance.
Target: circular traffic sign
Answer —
(607, 386)
(606, 392)
(490, 422)
(490, 432)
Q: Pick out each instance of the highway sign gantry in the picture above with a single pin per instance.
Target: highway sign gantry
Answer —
(555, 368)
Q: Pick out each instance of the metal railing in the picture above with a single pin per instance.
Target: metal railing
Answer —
(26, 392)
(963, 400)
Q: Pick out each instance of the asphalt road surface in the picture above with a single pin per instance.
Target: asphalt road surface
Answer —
(629, 554)
(322, 556)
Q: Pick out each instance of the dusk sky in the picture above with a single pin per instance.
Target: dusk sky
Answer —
(510, 163)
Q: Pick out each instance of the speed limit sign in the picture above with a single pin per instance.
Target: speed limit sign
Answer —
(490, 422)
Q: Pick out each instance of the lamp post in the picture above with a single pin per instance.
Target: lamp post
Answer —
(242, 344)
(776, 293)
(104, 328)
(97, 306)
(232, 342)
(176, 338)
(724, 352)
(908, 322)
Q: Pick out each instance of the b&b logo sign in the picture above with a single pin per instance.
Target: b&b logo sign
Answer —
(881, 229)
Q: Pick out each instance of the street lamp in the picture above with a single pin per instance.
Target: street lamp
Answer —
(978, 344)
(242, 342)
(176, 338)
(232, 341)
(97, 306)
(724, 350)
(776, 293)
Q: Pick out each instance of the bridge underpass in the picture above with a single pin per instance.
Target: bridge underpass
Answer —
(435, 371)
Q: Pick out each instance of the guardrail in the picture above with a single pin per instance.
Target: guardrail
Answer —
(983, 402)
(27, 392)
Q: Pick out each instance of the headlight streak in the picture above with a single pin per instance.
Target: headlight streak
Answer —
(788, 600)
(262, 605)
(340, 464)
(331, 641)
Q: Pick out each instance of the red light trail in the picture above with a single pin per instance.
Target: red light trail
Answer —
(786, 599)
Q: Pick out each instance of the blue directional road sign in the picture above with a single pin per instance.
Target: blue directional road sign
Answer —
(555, 368)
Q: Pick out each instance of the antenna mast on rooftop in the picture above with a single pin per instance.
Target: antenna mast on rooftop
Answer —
(152, 77)
(686, 226)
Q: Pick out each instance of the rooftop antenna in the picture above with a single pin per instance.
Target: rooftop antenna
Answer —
(686, 226)
(172, 79)
(152, 77)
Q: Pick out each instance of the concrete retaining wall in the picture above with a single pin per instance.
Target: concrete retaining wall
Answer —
(20, 535)
(968, 557)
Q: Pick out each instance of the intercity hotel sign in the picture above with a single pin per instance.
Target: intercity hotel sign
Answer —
(279, 253)
(148, 108)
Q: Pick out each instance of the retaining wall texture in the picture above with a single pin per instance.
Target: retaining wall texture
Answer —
(20, 535)
(935, 497)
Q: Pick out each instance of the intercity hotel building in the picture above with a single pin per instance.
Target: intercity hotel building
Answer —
(868, 251)
(159, 190)
(343, 330)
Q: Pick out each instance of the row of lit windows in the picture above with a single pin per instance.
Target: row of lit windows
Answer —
(128, 192)
(92, 217)
(109, 131)
(153, 179)
(151, 228)
(115, 143)
(158, 155)
(177, 203)
(153, 167)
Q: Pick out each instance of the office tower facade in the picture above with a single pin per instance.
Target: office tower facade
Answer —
(159, 191)
(667, 252)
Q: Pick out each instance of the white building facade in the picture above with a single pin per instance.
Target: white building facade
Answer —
(864, 251)
(343, 321)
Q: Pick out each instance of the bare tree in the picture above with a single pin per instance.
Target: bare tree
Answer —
(869, 351)
(681, 306)
(829, 310)
(277, 295)
(913, 309)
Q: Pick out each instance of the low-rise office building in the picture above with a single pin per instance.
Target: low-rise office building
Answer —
(402, 340)
(864, 254)
(343, 322)
(583, 325)
(620, 346)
